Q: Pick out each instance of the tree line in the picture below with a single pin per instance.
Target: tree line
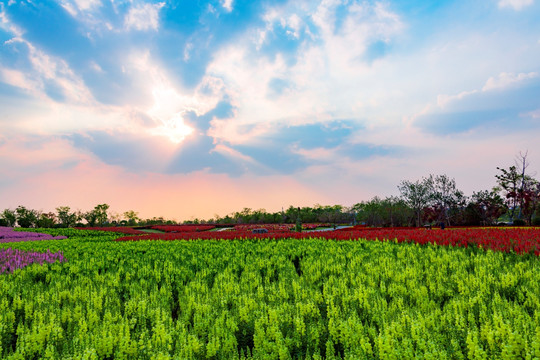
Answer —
(431, 200)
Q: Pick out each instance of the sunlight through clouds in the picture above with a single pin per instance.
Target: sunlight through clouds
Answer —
(344, 94)
(174, 129)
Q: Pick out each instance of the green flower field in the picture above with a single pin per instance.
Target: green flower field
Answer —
(268, 299)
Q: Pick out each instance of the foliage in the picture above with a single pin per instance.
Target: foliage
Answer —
(67, 217)
(26, 218)
(98, 216)
(489, 206)
(388, 212)
(508, 181)
(446, 199)
(46, 220)
(417, 195)
(132, 217)
(290, 299)
(522, 192)
(9, 218)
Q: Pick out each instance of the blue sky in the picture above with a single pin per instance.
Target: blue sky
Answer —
(206, 107)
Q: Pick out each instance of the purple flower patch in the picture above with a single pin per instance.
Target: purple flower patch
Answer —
(10, 259)
(8, 235)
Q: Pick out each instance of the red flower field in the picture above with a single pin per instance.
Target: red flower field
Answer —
(518, 240)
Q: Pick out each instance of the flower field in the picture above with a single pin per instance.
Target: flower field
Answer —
(183, 228)
(8, 235)
(309, 297)
(117, 229)
(11, 260)
(518, 240)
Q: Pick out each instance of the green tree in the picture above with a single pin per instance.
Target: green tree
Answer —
(391, 211)
(9, 217)
(529, 199)
(445, 197)
(66, 217)
(417, 195)
(46, 220)
(489, 206)
(98, 216)
(132, 217)
(26, 218)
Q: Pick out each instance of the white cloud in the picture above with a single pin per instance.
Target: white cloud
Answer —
(7, 25)
(187, 51)
(95, 66)
(294, 23)
(233, 154)
(515, 4)
(87, 4)
(168, 103)
(327, 80)
(533, 114)
(19, 79)
(71, 6)
(173, 128)
(227, 4)
(504, 80)
(443, 100)
(143, 17)
(47, 68)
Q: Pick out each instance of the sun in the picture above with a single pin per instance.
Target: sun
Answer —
(175, 129)
(169, 109)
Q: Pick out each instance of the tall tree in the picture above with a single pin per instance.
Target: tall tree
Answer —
(66, 217)
(516, 185)
(489, 206)
(9, 217)
(529, 199)
(26, 218)
(132, 217)
(417, 195)
(46, 220)
(445, 196)
(98, 216)
(509, 181)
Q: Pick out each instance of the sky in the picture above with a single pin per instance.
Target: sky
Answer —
(194, 108)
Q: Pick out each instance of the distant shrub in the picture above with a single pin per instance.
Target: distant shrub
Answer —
(536, 221)
(519, 222)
